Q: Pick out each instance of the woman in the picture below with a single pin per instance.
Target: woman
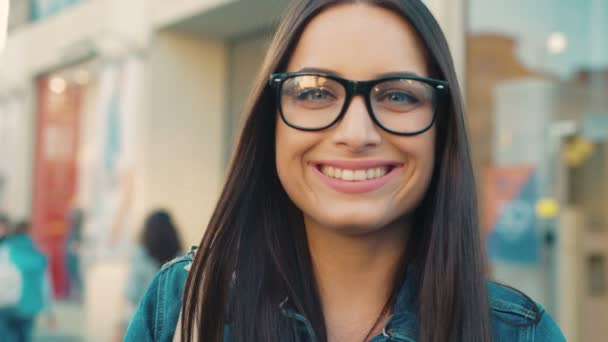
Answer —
(349, 212)
(159, 244)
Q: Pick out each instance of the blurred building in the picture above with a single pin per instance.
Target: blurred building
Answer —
(538, 116)
(117, 107)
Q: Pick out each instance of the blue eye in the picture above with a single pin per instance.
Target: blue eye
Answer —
(314, 95)
(397, 100)
(398, 97)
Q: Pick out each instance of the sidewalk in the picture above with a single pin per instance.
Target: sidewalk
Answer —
(69, 322)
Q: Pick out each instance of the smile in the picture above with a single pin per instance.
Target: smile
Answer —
(354, 176)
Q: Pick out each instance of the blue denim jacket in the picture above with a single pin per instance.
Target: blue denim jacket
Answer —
(515, 318)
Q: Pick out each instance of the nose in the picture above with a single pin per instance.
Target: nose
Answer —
(356, 131)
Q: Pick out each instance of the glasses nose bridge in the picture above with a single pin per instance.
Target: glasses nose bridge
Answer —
(359, 88)
(355, 88)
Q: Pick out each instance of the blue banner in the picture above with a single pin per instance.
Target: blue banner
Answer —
(514, 237)
(45, 8)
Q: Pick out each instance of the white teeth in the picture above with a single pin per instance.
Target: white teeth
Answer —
(354, 175)
(348, 175)
(360, 175)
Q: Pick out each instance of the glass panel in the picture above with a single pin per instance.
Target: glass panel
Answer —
(537, 101)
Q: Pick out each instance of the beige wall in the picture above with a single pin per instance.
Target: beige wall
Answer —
(245, 56)
(179, 158)
(16, 164)
(182, 130)
(451, 16)
(163, 12)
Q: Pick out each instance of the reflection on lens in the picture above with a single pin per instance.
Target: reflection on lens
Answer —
(311, 101)
(403, 105)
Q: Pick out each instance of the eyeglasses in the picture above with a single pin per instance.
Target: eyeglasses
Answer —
(403, 105)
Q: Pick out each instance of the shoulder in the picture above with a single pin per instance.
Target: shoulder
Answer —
(183, 261)
(513, 312)
(24, 253)
(159, 309)
(512, 305)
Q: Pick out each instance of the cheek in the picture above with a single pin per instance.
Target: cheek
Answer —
(421, 148)
(286, 146)
(426, 157)
(428, 153)
(290, 147)
(421, 152)
(282, 155)
(427, 163)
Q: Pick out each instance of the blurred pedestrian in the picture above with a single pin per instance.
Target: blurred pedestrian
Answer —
(10, 279)
(35, 294)
(159, 243)
(4, 227)
(73, 248)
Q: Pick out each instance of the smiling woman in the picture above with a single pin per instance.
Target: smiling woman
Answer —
(349, 212)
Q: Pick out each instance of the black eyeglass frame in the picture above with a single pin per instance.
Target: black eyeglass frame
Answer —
(362, 88)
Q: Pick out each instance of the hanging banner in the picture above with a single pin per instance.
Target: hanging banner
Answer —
(13, 154)
(510, 223)
(45, 8)
(108, 179)
(56, 171)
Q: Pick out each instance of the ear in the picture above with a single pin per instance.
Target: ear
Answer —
(3, 22)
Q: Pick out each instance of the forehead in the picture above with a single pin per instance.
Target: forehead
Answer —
(359, 41)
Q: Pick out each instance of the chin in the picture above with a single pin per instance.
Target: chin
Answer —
(356, 223)
(359, 221)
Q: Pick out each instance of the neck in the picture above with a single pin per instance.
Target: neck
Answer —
(355, 275)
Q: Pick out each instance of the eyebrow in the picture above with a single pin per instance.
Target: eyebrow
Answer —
(386, 74)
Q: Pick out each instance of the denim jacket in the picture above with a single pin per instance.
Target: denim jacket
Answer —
(515, 318)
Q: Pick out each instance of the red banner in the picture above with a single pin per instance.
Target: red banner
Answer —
(501, 185)
(56, 171)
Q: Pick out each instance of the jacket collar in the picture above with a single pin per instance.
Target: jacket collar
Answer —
(403, 324)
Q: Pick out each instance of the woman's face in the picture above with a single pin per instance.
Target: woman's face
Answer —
(357, 42)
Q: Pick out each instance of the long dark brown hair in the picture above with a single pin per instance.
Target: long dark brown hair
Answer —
(254, 252)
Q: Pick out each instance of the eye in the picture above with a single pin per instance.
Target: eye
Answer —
(397, 97)
(315, 95)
